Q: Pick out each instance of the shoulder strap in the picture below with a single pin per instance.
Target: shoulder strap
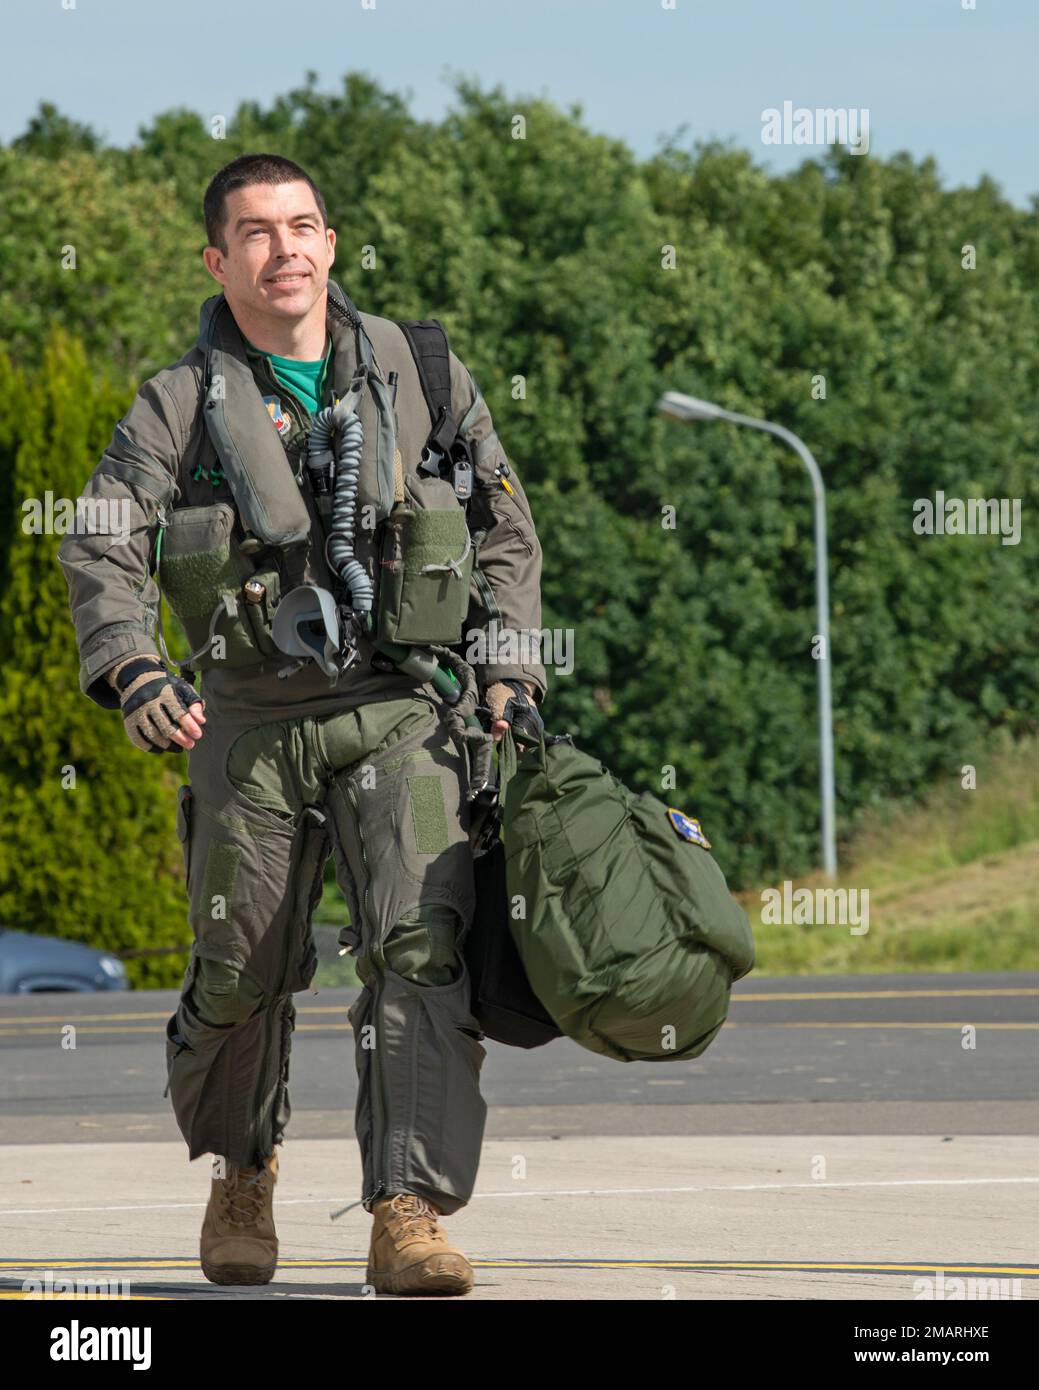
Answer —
(428, 342)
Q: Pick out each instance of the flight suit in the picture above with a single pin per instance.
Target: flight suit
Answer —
(294, 766)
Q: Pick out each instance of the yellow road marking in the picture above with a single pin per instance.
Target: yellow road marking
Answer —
(577, 1261)
(124, 1018)
(762, 998)
(20, 1293)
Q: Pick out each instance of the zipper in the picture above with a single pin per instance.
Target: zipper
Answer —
(342, 312)
(297, 454)
(377, 1092)
(163, 521)
(138, 453)
(258, 1105)
(287, 943)
(376, 1088)
(268, 1021)
(317, 873)
(173, 1062)
(486, 593)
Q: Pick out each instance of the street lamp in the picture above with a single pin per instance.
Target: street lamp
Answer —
(681, 407)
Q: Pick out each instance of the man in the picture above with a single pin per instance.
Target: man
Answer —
(287, 764)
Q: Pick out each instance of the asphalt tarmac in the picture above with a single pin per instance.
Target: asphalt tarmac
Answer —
(844, 1137)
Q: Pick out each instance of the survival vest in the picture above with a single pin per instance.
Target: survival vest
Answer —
(224, 568)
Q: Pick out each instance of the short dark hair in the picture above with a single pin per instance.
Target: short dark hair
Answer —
(240, 173)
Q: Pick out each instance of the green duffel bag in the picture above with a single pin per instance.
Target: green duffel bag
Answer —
(626, 929)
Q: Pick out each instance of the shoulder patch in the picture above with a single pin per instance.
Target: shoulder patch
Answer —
(282, 422)
(688, 827)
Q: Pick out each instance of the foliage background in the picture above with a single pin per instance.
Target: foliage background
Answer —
(543, 258)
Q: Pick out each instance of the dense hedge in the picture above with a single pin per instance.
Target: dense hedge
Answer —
(87, 849)
(545, 259)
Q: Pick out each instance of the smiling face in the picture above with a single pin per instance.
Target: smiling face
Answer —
(278, 252)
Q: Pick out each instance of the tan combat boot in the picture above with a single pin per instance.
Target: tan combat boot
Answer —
(238, 1243)
(410, 1253)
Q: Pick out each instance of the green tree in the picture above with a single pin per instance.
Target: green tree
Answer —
(50, 135)
(545, 256)
(114, 261)
(87, 849)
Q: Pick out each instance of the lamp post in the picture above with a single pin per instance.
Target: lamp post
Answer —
(681, 407)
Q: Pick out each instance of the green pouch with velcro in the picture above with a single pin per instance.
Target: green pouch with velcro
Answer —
(426, 568)
(201, 573)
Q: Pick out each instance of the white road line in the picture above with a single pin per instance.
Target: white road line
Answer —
(571, 1192)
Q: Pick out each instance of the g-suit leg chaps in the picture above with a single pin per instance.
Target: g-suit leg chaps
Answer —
(383, 788)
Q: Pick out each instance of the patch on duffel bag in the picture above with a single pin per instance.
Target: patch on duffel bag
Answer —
(688, 827)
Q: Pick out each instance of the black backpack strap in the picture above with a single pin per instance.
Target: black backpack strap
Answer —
(445, 454)
(428, 342)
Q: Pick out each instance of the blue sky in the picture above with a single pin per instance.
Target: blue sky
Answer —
(936, 78)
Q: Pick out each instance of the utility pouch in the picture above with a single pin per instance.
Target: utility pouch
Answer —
(209, 583)
(261, 594)
(426, 567)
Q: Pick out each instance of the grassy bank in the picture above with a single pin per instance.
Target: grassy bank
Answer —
(953, 883)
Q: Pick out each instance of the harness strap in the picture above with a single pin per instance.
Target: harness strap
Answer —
(428, 342)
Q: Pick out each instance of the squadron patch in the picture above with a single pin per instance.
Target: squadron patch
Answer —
(282, 422)
(688, 827)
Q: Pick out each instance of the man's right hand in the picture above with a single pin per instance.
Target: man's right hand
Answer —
(161, 712)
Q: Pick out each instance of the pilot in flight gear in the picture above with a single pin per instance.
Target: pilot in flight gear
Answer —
(249, 477)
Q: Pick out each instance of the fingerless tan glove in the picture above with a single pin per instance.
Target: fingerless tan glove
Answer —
(152, 702)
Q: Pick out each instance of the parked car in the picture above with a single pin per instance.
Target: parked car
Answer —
(32, 964)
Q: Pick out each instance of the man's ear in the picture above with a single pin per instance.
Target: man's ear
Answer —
(212, 257)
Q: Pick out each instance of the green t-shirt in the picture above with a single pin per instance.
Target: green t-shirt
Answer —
(306, 380)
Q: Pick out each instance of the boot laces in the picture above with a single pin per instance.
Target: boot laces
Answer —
(244, 1197)
(417, 1217)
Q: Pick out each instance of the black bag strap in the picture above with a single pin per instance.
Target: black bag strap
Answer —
(428, 342)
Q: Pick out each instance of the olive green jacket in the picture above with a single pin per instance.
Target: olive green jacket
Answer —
(162, 457)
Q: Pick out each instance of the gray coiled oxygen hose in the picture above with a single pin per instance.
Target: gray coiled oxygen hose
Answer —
(334, 463)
